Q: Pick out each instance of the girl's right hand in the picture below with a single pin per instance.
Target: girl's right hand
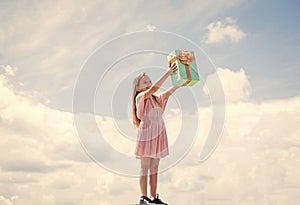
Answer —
(172, 68)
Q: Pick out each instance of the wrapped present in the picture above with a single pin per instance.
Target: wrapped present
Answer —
(187, 73)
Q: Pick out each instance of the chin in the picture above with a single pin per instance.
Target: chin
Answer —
(145, 89)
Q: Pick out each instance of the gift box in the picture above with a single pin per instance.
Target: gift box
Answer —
(186, 73)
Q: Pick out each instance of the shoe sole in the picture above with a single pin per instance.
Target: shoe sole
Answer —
(148, 204)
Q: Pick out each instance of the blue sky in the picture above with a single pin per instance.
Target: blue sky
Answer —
(269, 53)
(254, 46)
(273, 48)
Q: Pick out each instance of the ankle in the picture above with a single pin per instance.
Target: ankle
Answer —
(155, 196)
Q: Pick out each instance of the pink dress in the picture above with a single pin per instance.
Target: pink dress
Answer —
(152, 138)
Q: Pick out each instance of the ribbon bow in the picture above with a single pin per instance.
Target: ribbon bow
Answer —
(186, 57)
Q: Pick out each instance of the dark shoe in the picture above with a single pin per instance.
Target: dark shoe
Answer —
(158, 201)
(145, 200)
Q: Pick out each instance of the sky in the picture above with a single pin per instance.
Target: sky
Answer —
(66, 70)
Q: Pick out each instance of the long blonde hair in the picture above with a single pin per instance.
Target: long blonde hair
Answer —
(135, 120)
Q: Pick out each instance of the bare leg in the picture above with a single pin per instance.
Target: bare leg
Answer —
(145, 166)
(153, 177)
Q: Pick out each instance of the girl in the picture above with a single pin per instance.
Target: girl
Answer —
(152, 142)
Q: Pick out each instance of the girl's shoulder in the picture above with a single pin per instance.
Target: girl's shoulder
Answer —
(140, 96)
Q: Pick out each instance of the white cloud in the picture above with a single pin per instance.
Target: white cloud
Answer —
(6, 201)
(151, 27)
(36, 138)
(255, 163)
(257, 158)
(236, 85)
(9, 70)
(39, 153)
(219, 32)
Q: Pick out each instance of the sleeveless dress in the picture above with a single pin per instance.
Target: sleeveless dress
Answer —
(152, 138)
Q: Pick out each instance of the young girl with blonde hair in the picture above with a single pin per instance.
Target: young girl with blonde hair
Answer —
(152, 142)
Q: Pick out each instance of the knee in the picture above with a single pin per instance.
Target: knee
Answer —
(144, 170)
(153, 168)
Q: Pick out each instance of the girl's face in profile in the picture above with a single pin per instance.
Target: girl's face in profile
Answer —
(144, 84)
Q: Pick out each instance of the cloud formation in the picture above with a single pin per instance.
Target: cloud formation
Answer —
(219, 32)
(9, 70)
(236, 85)
(257, 159)
(151, 27)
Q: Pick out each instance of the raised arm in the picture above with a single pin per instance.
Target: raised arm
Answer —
(172, 90)
(157, 85)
